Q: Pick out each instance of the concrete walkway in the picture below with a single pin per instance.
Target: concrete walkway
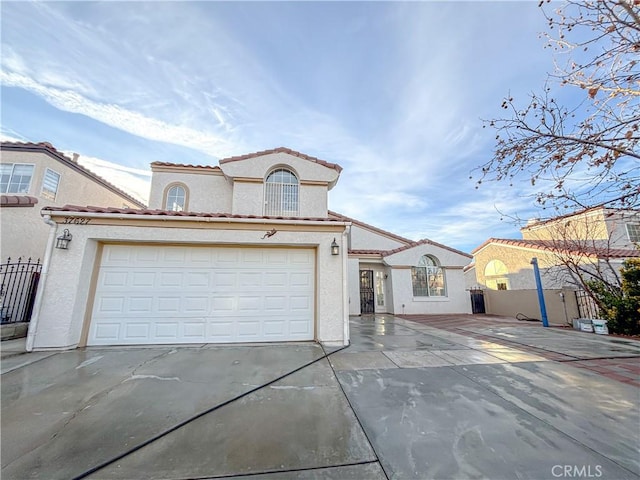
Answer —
(405, 400)
(442, 405)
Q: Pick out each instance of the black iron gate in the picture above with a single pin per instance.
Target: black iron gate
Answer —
(477, 301)
(366, 292)
(18, 285)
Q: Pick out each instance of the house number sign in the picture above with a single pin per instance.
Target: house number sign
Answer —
(77, 220)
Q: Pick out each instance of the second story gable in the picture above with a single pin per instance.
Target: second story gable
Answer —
(278, 182)
(598, 227)
(40, 171)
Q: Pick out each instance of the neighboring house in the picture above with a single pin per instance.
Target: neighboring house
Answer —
(596, 239)
(36, 175)
(246, 251)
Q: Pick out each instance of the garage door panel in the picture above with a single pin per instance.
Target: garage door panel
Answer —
(196, 294)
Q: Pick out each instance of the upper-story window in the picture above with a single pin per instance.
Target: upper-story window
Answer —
(50, 184)
(281, 193)
(15, 177)
(633, 231)
(428, 278)
(176, 198)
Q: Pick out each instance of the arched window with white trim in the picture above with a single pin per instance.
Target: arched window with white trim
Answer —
(176, 198)
(281, 193)
(496, 275)
(428, 278)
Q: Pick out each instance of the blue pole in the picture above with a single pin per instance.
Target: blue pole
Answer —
(543, 307)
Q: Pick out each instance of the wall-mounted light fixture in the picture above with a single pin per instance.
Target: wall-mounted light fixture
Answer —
(335, 248)
(63, 240)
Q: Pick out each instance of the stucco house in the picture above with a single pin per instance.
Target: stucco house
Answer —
(392, 274)
(34, 176)
(596, 239)
(245, 251)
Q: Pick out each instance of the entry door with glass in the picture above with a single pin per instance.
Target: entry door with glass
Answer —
(380, 287)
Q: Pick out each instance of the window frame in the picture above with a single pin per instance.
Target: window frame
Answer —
(13, 165)
(46, 193)
(496, 275)
(427, 274)
(636, 226)
(165, 197)
(283, 193)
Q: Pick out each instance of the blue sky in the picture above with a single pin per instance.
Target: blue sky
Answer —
(394, 92)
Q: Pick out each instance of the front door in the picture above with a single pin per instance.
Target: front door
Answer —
(366, 292)
(380, 292)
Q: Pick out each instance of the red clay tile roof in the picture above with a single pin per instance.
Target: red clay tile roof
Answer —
(184, 165)
(565, 247)
(425, 241)
(169, 213)
(367, 252)
(50, 150)
(334, 166)
(18, 201)
(384, 253)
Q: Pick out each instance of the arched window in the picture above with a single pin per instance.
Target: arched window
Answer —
(496, 275)
(428, 278)
(176, 198)
(281, 193)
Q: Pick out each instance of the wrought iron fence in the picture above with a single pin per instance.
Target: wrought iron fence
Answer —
(587, 307)
(18, 285)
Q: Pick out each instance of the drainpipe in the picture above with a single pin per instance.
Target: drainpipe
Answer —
(543, 307)
(35, 317)
(345, 284)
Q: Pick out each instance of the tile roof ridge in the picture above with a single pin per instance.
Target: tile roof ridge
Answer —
(51, 150)
(17, 200)
(187, 165)
(295, 153)
(563, 246)
(171, 213)
(426, 241)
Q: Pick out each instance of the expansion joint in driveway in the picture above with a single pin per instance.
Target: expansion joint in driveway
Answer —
(356, 415)
(291, 470)
(191, 419)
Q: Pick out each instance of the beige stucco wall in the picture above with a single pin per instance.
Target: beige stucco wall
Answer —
(616, 224)
(457, 299)
(600, 227)
(241, 191)
(510, 303)
(353, 274)
(518, 263)
(67, 285)
(248, 198)
(363, 239)
(22, 231)
(589, 225)
(207, 191)
(258, 167)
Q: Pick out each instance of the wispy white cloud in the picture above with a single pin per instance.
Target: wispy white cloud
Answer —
(116, 116)
(135, 182)
(392, 91)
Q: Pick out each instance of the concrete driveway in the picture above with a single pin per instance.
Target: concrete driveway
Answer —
(421, 402)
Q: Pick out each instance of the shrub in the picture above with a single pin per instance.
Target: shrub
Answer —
(620, 306)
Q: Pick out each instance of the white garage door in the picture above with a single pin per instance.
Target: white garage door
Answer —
(156, 294)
